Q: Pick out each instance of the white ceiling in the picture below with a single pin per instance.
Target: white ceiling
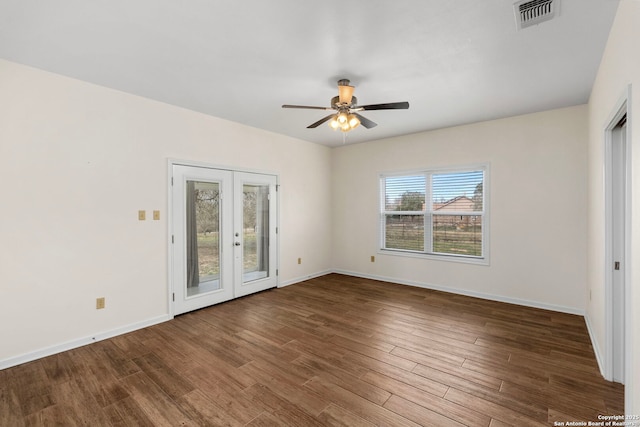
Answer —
(455, 62)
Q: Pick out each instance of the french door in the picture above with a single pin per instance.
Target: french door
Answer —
(223, 235)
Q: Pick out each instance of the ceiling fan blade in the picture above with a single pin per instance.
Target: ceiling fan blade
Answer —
(321, 121)
(365, 122)
(387, 106)
(308, 107)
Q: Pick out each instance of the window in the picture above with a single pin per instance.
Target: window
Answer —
(440, 213)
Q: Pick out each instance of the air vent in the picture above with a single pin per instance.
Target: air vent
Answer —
(533, 12)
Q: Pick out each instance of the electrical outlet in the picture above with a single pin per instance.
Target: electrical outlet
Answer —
(373, 258)
(299, 260)
(99, 303)
(142, 215)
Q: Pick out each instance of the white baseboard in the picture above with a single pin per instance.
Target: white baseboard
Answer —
(48, 351)
(491, 297)
(69, 345)
(596, 348)
(303, 278)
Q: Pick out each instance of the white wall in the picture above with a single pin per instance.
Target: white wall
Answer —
(537, 219)
(620, 67)
(78, 162)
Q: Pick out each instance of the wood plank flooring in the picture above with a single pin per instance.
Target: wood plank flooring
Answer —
(332, 351)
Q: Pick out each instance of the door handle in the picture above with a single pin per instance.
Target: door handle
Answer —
(237, 243)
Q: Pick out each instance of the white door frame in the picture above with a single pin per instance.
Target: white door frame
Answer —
(622, 108)
(170, 252)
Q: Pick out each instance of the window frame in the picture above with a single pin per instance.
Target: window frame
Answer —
(429, 214)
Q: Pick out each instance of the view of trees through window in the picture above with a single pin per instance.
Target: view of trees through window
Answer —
(207, 201)
(251, 204)
(207, 205)
(453, 216)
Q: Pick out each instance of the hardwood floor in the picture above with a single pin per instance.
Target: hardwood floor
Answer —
(332, 351)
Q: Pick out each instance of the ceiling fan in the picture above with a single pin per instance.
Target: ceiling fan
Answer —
(346, 117)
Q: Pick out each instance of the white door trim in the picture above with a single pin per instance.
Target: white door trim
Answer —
(622, 108)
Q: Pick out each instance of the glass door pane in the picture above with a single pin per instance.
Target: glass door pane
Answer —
(202, 244)
(224, 237)
(203, 237)
(255, 232)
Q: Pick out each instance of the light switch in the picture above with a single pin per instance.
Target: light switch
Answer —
(156, 215)
(142, 215)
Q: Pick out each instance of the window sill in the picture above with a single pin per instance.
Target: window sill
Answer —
(436, 257)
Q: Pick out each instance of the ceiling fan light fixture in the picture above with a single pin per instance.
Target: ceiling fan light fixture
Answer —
(353, 121)
(345, 122)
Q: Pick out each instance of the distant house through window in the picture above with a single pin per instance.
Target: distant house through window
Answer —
(435, 213)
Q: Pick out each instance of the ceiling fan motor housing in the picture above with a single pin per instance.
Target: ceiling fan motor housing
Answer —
(335, 102)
